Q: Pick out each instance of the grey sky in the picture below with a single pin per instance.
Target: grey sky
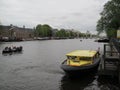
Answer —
(80, 15)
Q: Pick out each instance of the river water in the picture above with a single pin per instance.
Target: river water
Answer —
(38, 67)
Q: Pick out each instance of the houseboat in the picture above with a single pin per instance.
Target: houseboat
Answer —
(81, 61)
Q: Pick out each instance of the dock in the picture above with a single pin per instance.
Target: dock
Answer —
(110, 60)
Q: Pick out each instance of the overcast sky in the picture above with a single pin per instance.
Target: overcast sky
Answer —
(80, 15)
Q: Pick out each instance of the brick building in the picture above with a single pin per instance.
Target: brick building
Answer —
(16, 33)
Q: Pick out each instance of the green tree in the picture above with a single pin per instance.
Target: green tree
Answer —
(68, 34)
(46, 30)
(61, 33)
(43, 30)
(71, 34)
(110, 18)
(38, 30)
(1, 30)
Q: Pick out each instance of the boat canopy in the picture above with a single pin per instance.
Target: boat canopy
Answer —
(82, 53)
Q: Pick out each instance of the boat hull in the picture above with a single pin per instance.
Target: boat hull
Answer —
(104, 40)
(77, 70)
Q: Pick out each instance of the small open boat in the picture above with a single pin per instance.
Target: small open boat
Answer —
(12, 49)
(81, 61)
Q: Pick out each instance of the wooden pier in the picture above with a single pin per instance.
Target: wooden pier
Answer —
(110, 61)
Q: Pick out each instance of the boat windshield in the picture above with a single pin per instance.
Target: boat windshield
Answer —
(71, 57)
(85, 58)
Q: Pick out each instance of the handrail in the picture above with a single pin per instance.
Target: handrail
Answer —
(64, 61)
(116, 43)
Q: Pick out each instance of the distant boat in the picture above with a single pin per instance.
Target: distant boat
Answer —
(81, 61)
(80, 40)
(102, 40)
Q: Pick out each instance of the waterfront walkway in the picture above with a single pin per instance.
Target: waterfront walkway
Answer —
(110, 61)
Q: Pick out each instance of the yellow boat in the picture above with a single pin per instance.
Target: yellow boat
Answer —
(81, 61)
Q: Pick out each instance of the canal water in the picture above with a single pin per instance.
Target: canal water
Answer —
(38, 67)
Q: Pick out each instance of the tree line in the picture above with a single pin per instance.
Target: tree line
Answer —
(47, 31)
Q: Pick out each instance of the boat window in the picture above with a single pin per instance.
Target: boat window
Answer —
(85, 58)
(68, 57)
(71, 57)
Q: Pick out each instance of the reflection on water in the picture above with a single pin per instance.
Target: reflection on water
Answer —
(38, 67)
(108, 83)
(88, 82)
(7, 54)
(68, 83)
(77, 83)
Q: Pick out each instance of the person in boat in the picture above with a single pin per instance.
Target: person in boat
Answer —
(21, 48)
(6, 48)
(9, 48)
(14, 48)
(18, 49)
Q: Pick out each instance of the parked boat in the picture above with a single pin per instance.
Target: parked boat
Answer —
(104, 40)
(12, 49)
(81, 61)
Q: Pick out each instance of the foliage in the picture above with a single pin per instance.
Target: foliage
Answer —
(110, 18)
(1, 28)
(61, 33)
(37, 30)
(47, 31)
(111, 33)
(43, 30)
(67, 33)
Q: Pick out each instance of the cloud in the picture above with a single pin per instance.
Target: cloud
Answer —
(76, 14)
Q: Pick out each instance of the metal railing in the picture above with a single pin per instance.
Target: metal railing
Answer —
(116, 43)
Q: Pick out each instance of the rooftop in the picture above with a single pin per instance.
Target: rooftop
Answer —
(82, 53)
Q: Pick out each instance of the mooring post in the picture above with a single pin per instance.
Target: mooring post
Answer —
(111, 49)
(104, 55)
(119, 69)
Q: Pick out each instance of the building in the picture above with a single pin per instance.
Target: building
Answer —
(16, 33)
